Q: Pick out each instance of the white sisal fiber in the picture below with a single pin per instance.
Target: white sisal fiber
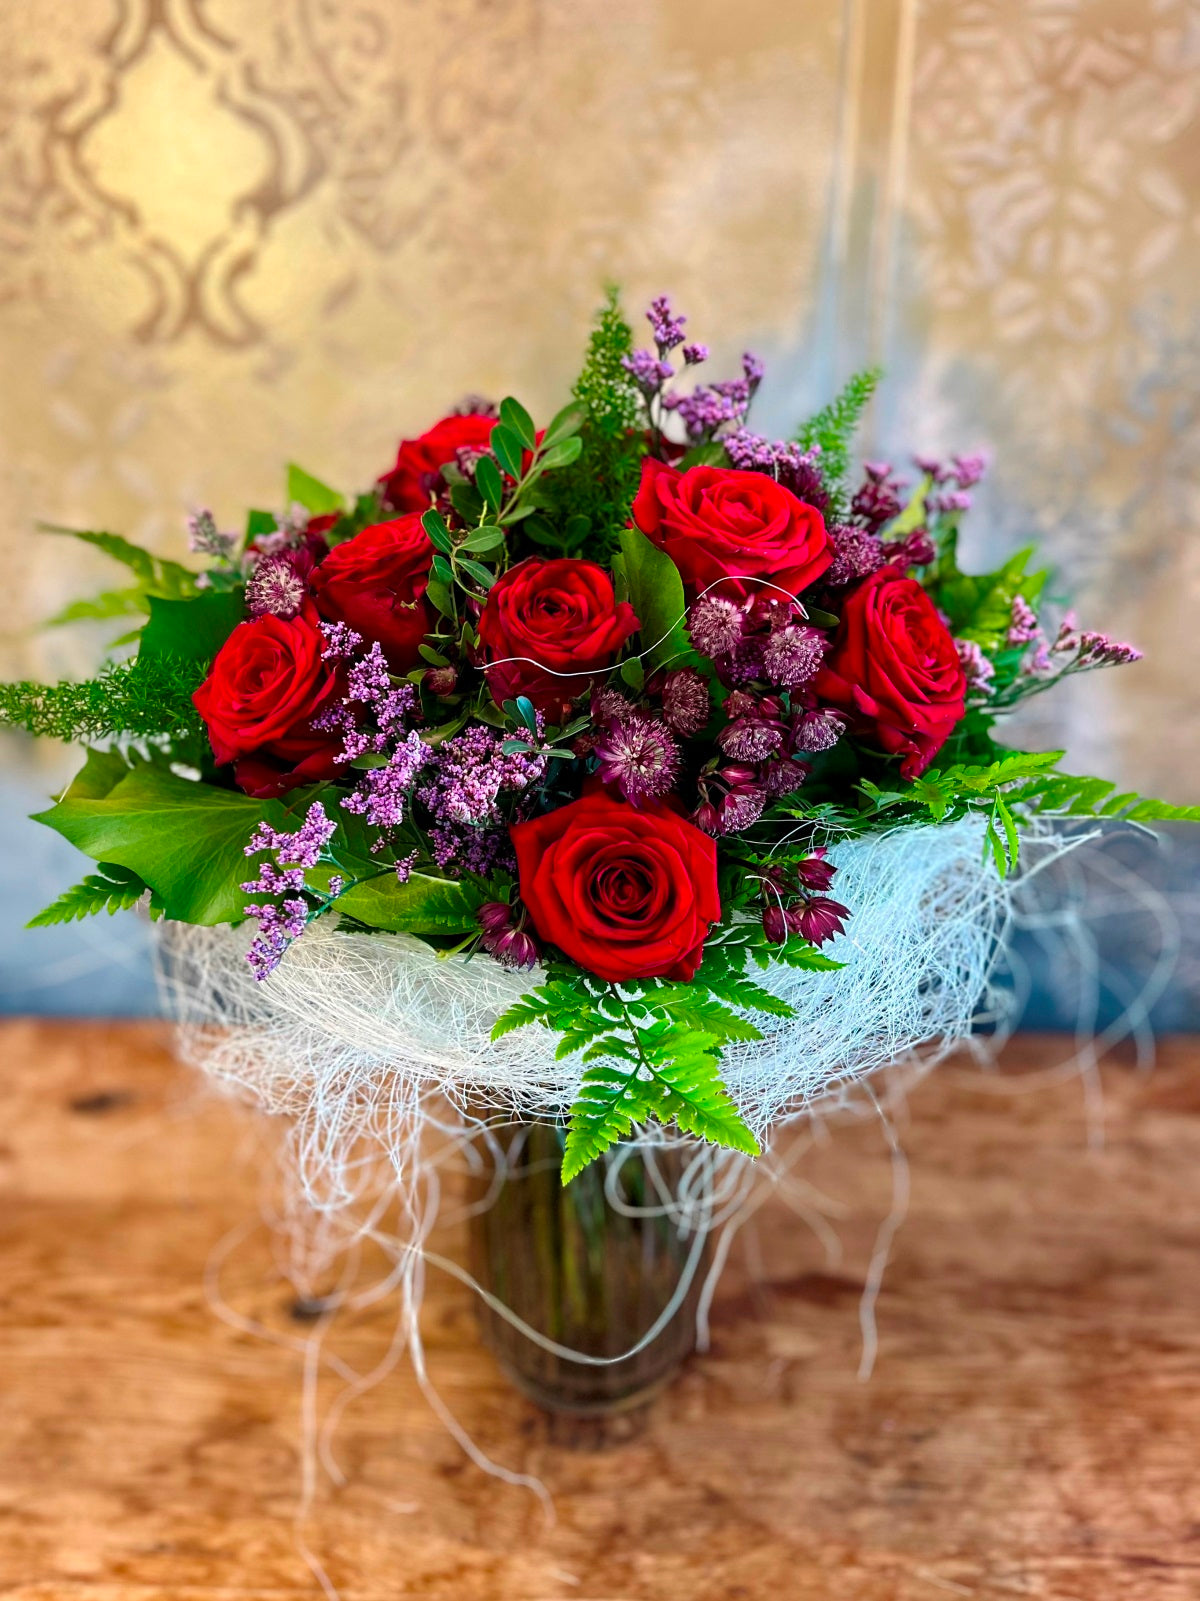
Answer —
(354, 1033)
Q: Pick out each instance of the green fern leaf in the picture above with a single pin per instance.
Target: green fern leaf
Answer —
(111, 889)
(607, 1106)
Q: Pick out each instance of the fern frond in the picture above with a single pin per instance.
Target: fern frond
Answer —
(110, 889)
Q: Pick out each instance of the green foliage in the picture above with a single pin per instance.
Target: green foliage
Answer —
(112, 889)
(185, 840)
(979, 606)
(128, 700)
(191, 630)
(424, 905)
(656, 594)
(652, 1047)
(588, 505)
(305, 490)
(154, 575)
(832, 429)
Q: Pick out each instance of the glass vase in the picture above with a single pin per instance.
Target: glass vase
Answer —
(593, 1266)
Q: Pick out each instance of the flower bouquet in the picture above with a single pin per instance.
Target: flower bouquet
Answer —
(627, 782)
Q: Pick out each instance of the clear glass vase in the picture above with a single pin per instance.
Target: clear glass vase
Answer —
(592, 1276)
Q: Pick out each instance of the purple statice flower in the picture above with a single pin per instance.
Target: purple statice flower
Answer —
(469, 772)
(1023, 626)
(340, 641)
(792, 655)
(1098, 650)
(968, 470)
(933, 467)
(693, 355)
(368, 679)
(638, 755)
(950, 500)
(205, 539)
(818, 730)
(856, 554)
(647, 370)
(715, 624)
(665, 326)
(404, 867)
(302, 845)
(382, 794)
(276, 587)
(977, 667)
(704, 410)
(685, 702)
(1040, 664)
(289, 904)
(461, 848)
(1066, 641)
(784, 460)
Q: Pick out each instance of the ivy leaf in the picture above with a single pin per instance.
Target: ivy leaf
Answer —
(656, 595)
(112, 889)
(191, 630)
(421, 906)
(311, 493)
(185, 839)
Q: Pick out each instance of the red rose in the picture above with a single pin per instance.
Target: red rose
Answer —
(416, 478)
(625, 893)
(258, 701)
(556, 617)
(376, 583)
(731, 528)
(894, 670)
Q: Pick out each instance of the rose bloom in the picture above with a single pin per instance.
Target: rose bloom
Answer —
(267, 683)
(563, 617)
(416, 479)
(376, 582)
(731, 528)
(625, 893)
(894, 669)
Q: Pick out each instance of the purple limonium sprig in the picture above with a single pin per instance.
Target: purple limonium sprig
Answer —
(784, 460)
(382, 794)
(289, 902)
(463, 786)
(978, 668)
(206, 539)
(1023, 625)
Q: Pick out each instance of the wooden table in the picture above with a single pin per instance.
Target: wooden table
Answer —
(1032, 1427)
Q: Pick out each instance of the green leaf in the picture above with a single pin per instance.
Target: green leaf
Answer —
(442, 596)
(481, 574)
(633, 673)
(711, 454)
(113, 889)
(489, 483)
(120, 549)
(110, 603)
(186, 840)
(434, 525)
(421, 906)
(467, 502)
(609, 1102)
(311, 493)
(564, 424)
(913, 514)
(656, 595)
(513, 415)
(260, 523)
(192, 630)
(561, 455)
(443, 570)
(507, 448)
(489, 537)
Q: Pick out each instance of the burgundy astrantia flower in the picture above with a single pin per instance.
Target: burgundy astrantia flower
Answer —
(638, 756)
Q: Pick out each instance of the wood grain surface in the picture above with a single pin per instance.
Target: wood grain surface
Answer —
(1032, 1428)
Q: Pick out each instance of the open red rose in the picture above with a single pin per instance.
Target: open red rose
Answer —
(267, 683)
(625, 893)
(894, 669)
(561, 620)
(416, 479)
(721, 526)
(376, 583)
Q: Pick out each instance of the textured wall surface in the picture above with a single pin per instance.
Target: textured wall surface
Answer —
(237, 231)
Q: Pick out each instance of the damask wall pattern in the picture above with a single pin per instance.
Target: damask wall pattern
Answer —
(238, 231)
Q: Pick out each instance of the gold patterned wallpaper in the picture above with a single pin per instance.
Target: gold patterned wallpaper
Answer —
(237, 231)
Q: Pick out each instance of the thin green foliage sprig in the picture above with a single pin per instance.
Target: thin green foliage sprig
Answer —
(832, 431)
(134, 699)
(110, 889)
(651, 1048)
